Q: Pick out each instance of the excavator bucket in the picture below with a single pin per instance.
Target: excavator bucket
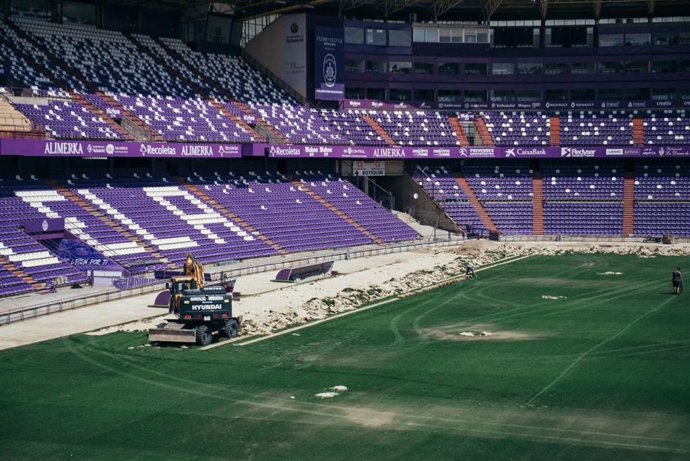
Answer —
(172, 333)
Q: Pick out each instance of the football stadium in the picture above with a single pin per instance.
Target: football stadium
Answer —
(344, 229)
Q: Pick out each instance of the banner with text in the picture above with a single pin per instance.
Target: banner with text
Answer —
(374, 152)
(108, 149)
(329, 63)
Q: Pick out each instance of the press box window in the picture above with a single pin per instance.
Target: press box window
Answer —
(376, 37)
(354, 35)
(400, 67)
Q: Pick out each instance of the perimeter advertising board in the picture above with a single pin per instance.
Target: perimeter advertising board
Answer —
(111, 149)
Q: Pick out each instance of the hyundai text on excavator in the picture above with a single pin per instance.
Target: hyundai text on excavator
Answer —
(199, 311)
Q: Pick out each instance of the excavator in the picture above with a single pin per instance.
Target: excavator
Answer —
(199, 311)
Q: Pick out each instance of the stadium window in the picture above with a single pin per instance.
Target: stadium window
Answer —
(398, 95)
(579, 68)
(354, 65)
(664, 38)
(555, 68)
(502, 96)
(449, 68)
(419, 34)
(684, 38)
(424, 95)
(376, 67)
(444, 35)
(613, 67)
(36, 9)
(530, 68)
(475, 96)
(502, 68)
(400, 67)
(611, 40)
(400, 37)
(423, 68)
(354, 93)
(662, 94)
(637, 39)
(432, 35)
(555, 95)
(354, 35)
(637, 94)
(376, 37)
(664, 67)
(377, 94)
(449, 95)
(609, 94)
(636, 67)
(476, 68)
(582, 94)
(528, 95)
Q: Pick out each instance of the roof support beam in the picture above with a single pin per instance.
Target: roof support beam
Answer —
(543, 9)
(441, 6)
(490, 7)
(597, 8)
(393, 6)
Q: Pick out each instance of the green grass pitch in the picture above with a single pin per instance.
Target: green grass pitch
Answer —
(601, 373)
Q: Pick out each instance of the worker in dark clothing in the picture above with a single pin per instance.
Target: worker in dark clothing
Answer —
(469, 272)
(677, 281)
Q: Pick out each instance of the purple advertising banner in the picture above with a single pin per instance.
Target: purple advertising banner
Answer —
(254, 150)
(368, 104)
(402, 153)
(107, 149)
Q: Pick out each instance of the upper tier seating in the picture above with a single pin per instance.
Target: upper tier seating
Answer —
(300, 124)
(178, 119)
(409, 128)
(518, 128)
(597, 128)
(68, 120)
(667, 127)
(353, 127)
(242, 81)
(26, 73)
(106, 59)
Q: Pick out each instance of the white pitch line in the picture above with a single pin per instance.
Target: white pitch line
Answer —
(584, 355)
(354, 311)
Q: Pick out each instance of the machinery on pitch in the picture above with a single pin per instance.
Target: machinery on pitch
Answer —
(200, 311)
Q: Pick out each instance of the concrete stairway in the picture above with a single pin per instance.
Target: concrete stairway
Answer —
(483, 132)
(458, 131)
(476, 204)
(555, 131)
(629, 201)
(537, 203)
(378, 129)
(236, 120)
(126, 135)
(638, 131)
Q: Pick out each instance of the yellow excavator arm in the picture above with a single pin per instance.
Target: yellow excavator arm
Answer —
(194, 269)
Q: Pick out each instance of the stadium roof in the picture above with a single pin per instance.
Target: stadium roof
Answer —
(479, 11)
